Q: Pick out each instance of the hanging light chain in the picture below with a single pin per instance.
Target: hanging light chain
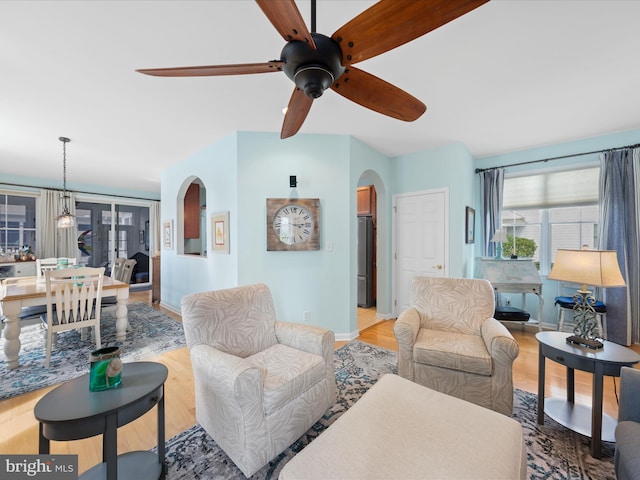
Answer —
(65, 197)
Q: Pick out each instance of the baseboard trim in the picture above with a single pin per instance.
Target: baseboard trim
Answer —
(346, 337)
(170, 308)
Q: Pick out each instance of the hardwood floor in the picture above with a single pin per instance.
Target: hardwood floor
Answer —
(19, 429)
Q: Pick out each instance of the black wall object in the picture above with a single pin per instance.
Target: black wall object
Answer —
(292, 181)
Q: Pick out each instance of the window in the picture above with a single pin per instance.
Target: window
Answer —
(554, 210)
(17, 222)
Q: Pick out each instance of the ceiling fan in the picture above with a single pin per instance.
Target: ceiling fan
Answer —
(316, 62)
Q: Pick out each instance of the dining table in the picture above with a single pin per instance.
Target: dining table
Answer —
(30, 291)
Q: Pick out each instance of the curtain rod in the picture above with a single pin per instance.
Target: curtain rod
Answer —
(78, 191)
(480, 170)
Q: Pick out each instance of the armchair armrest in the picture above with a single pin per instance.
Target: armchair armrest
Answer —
(629, 407)
(306, 338)
(407, 326)
(499, 342)
(225, 374)
(406, 331)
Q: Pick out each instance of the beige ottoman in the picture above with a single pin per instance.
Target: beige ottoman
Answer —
(402, 430)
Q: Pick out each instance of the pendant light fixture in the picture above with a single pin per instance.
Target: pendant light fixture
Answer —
(65, 220)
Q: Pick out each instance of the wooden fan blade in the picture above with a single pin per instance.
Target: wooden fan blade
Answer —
(375, 94)
(286, 18)
(391, 23)
(299, 106)
(215, 70)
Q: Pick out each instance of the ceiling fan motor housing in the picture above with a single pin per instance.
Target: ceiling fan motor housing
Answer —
(313, 71)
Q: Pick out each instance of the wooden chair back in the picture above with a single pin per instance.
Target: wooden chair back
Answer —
(74, 297)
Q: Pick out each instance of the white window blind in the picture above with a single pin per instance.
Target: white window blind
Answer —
(553, 189)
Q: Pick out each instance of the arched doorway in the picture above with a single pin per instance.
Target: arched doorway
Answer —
(371, 249)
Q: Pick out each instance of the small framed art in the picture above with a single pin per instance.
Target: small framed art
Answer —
(220, 232)
(470, 222)
(167, 234)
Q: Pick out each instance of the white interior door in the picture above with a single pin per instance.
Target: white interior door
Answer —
(421, 240)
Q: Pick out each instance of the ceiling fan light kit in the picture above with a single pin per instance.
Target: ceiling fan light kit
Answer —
(315, 62)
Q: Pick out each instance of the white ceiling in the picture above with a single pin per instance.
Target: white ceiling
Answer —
(508, 76)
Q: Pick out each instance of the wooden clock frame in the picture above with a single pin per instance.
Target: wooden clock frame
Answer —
(312, 205)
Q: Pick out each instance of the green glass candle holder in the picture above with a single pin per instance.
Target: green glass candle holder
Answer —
(106, 369)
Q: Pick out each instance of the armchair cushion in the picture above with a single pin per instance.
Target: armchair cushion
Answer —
(455, 351)
(287, 373)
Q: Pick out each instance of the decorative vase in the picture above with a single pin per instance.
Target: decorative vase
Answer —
(106, 368)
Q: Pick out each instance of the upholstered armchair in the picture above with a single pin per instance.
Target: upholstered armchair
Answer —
(260, 384)
(627, 456)
(449, 341)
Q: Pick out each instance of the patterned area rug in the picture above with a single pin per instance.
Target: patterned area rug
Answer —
(152, 333)
(553, 452)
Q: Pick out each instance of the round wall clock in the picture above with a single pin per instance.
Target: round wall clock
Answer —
(293, 224)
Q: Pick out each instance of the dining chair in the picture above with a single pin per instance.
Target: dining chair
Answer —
(116, 271)
(74, 296)
(127, 270)
(44, 264)
(122, 270)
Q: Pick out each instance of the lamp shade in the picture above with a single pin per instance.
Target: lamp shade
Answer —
(588, 267)
(500, 236)
(66, 220)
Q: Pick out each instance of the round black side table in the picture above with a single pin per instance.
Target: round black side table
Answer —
(72, 412)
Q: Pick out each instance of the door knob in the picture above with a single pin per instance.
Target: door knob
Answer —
(439, 267)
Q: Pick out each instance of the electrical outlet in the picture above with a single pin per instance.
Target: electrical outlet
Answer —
(306, 316)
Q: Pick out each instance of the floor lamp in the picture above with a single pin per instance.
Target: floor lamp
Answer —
(586, 267)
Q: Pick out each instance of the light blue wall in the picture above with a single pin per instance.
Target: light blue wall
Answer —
(370, 167)
(240, 173)
(449, 167)
(243, 170)
(313, 281)
(621, 139)
(216, 166)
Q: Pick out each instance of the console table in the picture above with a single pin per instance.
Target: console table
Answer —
(512, 276)
(72, 412)
(605, 361)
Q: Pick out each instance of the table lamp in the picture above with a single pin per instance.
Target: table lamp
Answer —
(586, 267)
(499, 237)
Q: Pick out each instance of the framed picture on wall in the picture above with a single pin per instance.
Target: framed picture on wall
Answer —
(470, 221)
(220, 232)
(167, 234)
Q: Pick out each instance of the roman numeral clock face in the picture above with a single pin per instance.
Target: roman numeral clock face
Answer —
(292, 224)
